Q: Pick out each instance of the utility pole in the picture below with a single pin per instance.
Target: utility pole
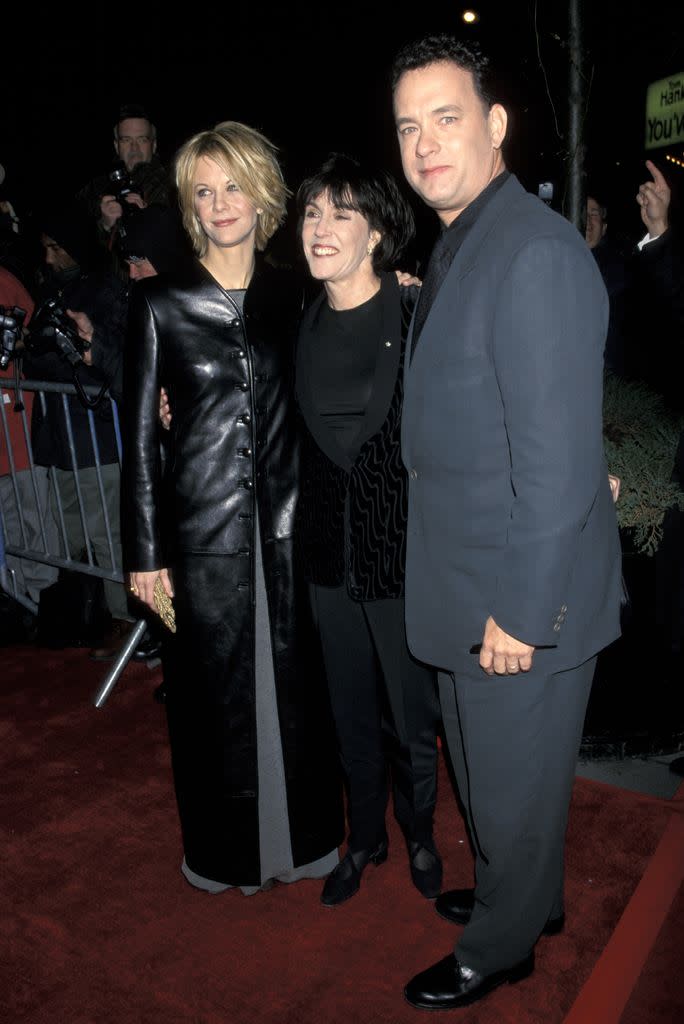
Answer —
(574, 203)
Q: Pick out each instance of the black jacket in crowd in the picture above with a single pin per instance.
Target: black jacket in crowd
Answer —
(104, 298)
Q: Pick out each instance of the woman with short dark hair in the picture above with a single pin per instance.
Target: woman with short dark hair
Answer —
(350, 531)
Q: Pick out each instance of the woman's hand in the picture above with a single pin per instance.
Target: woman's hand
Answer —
(141, 585)
(405, 279)
(614, 482)
(164, 410)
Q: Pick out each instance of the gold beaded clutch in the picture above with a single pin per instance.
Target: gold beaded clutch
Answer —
(164, 605)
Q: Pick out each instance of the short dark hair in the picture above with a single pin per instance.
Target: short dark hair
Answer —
(434, 49)
(133, 110)
(371, 192)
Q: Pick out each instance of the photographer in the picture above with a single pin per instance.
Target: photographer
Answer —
(93, 307)
(138, 179)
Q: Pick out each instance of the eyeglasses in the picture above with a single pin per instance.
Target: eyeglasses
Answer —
(134, 138)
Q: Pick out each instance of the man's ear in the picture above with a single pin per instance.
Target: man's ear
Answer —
(498, 122)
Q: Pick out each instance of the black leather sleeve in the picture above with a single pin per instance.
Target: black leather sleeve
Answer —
(141, 471)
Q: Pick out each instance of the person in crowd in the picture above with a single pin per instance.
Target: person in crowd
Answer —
(613, 265)
(96, 302)
(256, 778)
(23, 496)
(154, 243)
(135, 145)
(513, 578)
(351, 517)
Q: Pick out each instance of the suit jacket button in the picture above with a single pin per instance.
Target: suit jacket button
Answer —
(413, 473)
(564, 609)
(556, 627)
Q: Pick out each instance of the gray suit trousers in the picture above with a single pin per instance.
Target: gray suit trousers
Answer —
(513, 743)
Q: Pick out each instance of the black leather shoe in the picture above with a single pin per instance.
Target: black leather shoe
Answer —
(426, 868)
(343, 882)
(456, 905)
(450, 984)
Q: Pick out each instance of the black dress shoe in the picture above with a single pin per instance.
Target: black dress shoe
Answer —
(343, 882)
(426, 868)
(456, 905)
(450, 984)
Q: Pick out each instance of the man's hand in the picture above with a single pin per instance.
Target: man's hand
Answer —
(654, 199)
(614, 482)
(502, 653)
(110, 212)
(85, 332)
(164, 409)
(135, 200)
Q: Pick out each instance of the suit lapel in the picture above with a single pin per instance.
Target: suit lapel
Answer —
(467, 255)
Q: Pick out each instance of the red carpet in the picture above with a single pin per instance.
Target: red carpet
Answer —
(99, 926)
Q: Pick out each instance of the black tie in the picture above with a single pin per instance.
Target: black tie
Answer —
(438, 265)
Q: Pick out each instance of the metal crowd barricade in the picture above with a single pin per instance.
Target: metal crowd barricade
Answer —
(45, 510)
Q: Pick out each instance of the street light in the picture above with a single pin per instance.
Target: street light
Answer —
(470, 17)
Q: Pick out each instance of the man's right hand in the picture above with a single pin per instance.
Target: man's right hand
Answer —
(110, 212)
(654, 199)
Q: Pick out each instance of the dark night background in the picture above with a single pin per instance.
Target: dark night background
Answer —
(315, 78)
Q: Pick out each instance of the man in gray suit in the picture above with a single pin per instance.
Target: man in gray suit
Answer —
(513, 579)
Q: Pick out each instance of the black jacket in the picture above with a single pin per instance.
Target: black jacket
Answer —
(351, 516)
(104, 298)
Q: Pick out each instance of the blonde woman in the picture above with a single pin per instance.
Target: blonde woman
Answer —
(253, 761)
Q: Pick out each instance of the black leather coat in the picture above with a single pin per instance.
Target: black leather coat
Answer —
(351, 516)
(232, 469)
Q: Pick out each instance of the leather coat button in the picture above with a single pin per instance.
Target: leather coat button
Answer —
(245, 418)
(242, 387)
(244, 453)
(247, 484)
(241, 353)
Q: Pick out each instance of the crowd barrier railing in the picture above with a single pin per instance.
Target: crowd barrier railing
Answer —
(61, 518)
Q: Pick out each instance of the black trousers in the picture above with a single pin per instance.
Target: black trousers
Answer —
(385, 708)
(513, 743)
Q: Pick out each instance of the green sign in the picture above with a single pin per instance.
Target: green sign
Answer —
(665, 112)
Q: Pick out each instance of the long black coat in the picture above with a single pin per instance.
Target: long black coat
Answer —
(232, 469)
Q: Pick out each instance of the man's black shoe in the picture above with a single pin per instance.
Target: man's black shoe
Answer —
(343, 882)
(426, 868)
(449, 984)
(456, 905)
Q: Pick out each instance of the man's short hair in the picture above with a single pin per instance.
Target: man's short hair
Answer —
(442, 47)
(129, 110)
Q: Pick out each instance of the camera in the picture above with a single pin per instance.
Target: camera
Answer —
(122, 184)
(53, 330)
(11, 323)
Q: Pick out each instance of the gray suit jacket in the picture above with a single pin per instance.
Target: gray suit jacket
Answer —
(510, 512)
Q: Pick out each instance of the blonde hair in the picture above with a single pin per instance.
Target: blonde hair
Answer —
(250, 160)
